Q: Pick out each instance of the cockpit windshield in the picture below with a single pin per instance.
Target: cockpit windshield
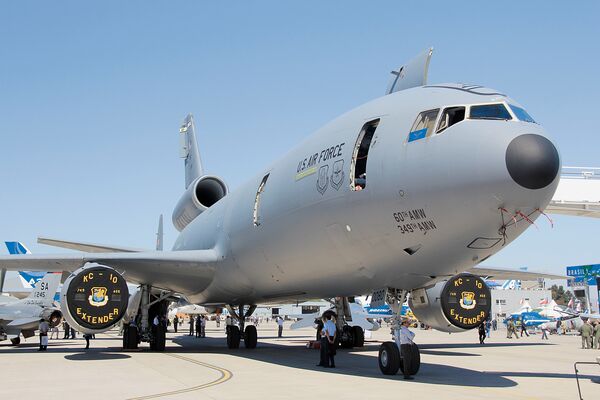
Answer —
(489, 111)
(521, 114)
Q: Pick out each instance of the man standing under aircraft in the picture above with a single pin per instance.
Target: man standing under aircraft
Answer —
(175, 323)
(191, 325)
(330, 332)
(597, 334)
(280, 326)
(406, 343)
(43, 335)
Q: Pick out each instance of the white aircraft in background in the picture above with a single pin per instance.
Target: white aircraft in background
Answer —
(23, 316)
(405, 194)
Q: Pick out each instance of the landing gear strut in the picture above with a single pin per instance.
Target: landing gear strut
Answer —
(151, 307)
(234, 333)
(390, 359)
(349, 336)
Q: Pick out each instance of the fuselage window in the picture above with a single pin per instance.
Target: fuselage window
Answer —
(521, 114)
(259, 191)
(423, 125)
(489, 111)
(451, 116)
(359, 156)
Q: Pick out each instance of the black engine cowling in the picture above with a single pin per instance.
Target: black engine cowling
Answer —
(458, 304)
(94, 298)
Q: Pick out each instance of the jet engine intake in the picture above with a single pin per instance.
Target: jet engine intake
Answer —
(199, 196)
(94, 298)
(53, 316)
(461, 303)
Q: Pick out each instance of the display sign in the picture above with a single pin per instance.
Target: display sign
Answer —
(466, 301)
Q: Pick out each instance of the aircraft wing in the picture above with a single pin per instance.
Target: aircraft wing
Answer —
(180, 271)
(87, 247)
(23, 321)
(578, 193)
(501, 273)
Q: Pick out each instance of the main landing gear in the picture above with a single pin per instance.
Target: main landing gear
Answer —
(234, 333)
(349, 336)
(141, 326)
(390, 359)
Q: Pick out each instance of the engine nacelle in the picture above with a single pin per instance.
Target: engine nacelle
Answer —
(94, 298)
(200, 195)
(458, 304)
(53, 316)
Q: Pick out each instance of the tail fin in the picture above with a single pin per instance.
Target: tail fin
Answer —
(43, 293)
(159, 234)
(189, 150)
(16, 248)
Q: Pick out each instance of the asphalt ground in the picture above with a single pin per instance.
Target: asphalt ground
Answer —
(452, 367)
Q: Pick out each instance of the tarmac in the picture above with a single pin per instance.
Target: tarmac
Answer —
(453, 366)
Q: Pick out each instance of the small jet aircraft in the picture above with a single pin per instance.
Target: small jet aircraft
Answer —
(23, 316)
(20, 284)
(405, 194)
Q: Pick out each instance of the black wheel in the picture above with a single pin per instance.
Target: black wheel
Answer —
(389, 358)
(358, 334)
(346, 337)
(15, 341)
(233, 337)
(416, 360)
(250, 337)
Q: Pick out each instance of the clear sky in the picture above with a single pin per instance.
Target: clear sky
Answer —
(92, 95)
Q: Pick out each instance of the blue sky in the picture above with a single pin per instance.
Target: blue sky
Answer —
(92, 95)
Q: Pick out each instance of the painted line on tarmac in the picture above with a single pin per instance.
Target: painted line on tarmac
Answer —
(225, 376)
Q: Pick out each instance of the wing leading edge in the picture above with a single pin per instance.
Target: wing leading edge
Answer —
(181, 271)
(501, 273)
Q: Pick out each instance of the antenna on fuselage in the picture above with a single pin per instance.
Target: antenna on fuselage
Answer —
(412, 74)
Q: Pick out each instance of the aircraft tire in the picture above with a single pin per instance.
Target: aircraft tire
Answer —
(389, 358)
(416, 360)
(358, 335)
(346, 337)
(15, 341)
(233, 337)
(250, 337)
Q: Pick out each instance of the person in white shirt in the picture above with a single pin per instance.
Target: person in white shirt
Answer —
(203, 326)
(406, 344)
(280, 327)
(544, 328)
(44, 327)
(329, 331)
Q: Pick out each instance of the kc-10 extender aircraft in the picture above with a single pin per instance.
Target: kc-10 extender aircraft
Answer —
(404, 194)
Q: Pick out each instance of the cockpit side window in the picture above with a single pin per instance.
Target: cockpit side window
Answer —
(423, 125)
(451, 116)
(489, 111)
(521, 114)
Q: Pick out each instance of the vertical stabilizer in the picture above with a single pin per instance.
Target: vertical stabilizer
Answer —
(43, 293)
(159, 234)
(189, 150)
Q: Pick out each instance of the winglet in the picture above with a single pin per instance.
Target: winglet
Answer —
(189, 151)
(412, 74)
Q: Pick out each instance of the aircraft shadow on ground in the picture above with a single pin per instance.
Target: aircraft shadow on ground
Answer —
(348, 362)
(74, 353)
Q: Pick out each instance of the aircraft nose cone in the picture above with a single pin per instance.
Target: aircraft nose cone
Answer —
(532, 161)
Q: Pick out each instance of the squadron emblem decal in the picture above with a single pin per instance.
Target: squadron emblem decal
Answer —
(337, 176)
(467, 300)
(323, 179)
(99, 296)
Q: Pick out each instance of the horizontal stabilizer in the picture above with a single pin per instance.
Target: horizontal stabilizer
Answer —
(87, 247)
(501, 273)
(23, 321)
(412, 74)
